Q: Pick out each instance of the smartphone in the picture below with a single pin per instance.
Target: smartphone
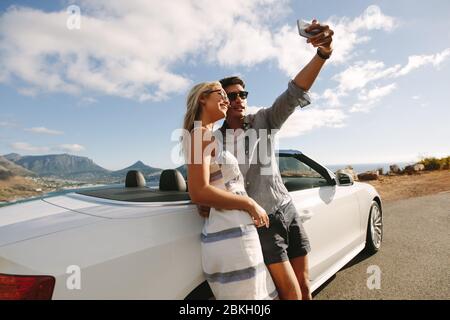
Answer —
(302, 25)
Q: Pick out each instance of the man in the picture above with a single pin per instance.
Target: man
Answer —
(285, 244)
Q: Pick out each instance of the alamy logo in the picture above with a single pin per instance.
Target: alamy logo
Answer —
(374, 280)
(74, 19)
(73, 282)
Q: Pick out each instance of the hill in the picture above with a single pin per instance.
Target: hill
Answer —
(9, 168)
(63, 166)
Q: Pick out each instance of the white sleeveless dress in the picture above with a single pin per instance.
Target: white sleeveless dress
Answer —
(232, 257)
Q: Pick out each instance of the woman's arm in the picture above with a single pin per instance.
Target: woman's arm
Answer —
(201, 192)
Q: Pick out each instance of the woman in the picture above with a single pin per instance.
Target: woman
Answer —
(232, 258)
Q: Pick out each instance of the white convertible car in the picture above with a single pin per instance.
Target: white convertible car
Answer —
(136, 242)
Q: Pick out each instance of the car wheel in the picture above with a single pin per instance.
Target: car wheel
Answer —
(374, 229)
(202, 292)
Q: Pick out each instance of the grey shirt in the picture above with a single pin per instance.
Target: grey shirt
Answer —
(257, 160)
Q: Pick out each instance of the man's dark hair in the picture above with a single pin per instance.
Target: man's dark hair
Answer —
(225, 82)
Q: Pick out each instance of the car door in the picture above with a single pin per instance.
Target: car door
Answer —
(329, 212)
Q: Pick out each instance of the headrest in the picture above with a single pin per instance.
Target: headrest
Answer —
(172, 180)
(134, 179)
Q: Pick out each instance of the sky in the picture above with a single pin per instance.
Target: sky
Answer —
(108, 79)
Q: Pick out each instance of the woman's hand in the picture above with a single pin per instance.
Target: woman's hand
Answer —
(203, 210)
(258, 214)
(323, 39)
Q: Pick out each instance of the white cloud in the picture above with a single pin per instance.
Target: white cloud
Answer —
(367, 99)
(377, 93)
(73, 148)
(314, 95)
(44, 130)
(417, 61)
(305, 120)
(349, 33)
(87, 101)
(333, 97)
(290, 52)
(372, 19)
(130, 49)
(26, 147)
(30, 92)
(358, 76)
(246, 45)
(361, 73)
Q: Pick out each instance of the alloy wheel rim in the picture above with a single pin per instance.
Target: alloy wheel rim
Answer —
(376, 226)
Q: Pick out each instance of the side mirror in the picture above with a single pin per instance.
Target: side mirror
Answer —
(345, 179)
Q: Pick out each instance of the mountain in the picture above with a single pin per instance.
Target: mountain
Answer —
(12, 157)
(70, 167)
(151, 174)
(13, 169)
(4, 173)
(139, 165)
(64, 166)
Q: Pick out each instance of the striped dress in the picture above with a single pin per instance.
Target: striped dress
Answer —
(232, 257)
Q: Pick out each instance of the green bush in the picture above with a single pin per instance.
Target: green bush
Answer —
(445, 163)
(436, 164)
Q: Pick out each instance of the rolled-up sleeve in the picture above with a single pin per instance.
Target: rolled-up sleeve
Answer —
(299, 96)
(284, 106)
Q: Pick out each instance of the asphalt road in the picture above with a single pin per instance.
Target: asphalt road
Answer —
(414, 259)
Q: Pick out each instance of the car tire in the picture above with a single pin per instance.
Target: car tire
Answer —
(202, 292)
(374, 235)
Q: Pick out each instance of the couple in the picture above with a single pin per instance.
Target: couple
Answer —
(253, 242)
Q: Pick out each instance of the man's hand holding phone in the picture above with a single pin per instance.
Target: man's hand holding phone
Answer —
(319, 35)
(302, 26)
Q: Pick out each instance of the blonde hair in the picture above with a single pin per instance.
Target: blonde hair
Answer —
(193, 108)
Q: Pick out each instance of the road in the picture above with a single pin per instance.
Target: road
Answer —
(414, 259)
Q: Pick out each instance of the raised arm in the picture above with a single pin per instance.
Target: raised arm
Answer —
(323, 41)
(296, 94)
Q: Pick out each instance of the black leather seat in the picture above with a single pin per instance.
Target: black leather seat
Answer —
(172, 180)
(134, 179)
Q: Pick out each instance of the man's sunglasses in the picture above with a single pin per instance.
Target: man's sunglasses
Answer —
(233, 95)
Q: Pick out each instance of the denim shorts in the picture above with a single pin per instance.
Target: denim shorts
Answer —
(285, 238)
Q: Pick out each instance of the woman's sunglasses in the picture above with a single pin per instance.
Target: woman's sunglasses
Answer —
(219, 91)
(233, 95)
